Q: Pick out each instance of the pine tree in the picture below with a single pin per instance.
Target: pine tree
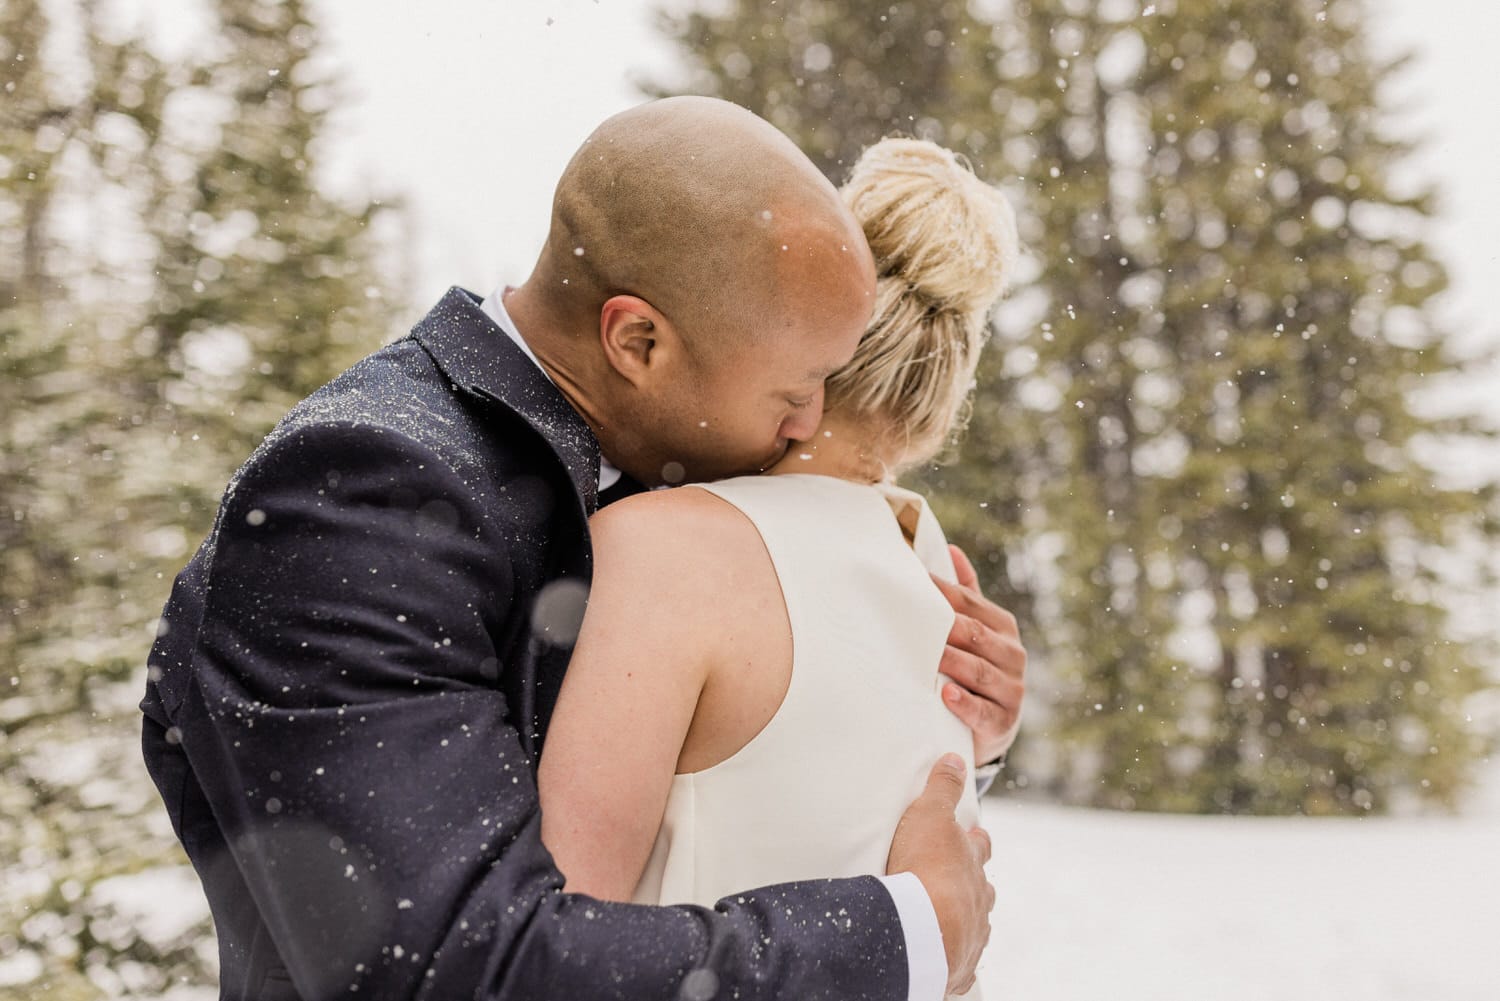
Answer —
(1299, 332)
(1196, 477)
(183, 278)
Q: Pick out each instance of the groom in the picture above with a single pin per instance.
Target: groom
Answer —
(355, 673)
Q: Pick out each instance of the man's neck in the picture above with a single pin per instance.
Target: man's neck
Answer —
(555, 352)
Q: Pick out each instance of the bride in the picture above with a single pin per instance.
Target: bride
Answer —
(754, 697)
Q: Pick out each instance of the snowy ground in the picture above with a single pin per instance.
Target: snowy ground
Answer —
(1097, 906)
(1131, 907)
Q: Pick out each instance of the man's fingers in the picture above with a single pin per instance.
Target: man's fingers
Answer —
(979, 841)
(971, 649)
(971, 710)
(970, 602)
(963, 568)
(993, 724)
(946, 782)
(982, 678)
(963, 599)
(1000, 649)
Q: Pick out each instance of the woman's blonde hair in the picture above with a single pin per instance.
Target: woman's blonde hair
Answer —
(945, 245)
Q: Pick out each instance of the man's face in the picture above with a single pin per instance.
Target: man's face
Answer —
(739, 411)
(730, 399)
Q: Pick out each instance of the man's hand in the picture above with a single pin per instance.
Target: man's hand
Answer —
(950, 863)
(985, 659)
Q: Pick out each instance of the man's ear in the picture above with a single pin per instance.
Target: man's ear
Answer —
(632, 333)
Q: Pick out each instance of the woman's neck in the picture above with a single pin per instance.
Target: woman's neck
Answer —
(841, 448)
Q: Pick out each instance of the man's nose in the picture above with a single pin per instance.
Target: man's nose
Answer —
(801, 425)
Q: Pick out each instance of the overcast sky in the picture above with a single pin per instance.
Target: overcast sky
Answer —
(471, 109)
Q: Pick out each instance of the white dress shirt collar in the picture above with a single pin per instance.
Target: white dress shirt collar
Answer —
(494, 308)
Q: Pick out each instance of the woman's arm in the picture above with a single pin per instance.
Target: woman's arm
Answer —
(642, 658)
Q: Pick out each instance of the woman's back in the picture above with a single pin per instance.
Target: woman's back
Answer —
(818, 792)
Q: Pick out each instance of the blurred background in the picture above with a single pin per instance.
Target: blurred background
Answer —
(1233, 461)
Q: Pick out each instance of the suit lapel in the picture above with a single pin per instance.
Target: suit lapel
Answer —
(478, 357)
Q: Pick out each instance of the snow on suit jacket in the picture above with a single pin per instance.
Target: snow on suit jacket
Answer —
(351, 687)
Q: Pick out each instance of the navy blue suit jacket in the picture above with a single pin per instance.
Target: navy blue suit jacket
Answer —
(350, 692)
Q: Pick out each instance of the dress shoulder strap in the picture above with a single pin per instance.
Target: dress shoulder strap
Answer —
(921, 528)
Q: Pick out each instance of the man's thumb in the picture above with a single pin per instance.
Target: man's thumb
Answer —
(945, 783)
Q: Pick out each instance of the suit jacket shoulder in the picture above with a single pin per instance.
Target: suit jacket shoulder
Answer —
(350, 686)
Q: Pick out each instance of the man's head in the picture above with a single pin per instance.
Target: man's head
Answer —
(699, 281)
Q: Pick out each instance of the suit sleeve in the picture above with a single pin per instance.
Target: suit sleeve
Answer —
(344, 719)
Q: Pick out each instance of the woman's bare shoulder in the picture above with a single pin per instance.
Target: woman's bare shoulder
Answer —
(682, 530)
(685, 514)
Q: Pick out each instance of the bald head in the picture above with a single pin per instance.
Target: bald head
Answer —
(708, 213)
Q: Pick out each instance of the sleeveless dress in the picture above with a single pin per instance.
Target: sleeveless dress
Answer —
(818, 792)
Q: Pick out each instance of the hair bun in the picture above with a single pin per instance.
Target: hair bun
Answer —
(932, 222)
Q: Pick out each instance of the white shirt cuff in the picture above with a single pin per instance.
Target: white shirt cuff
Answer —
(926, 962)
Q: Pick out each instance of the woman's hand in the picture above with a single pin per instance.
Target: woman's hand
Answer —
(986, 661)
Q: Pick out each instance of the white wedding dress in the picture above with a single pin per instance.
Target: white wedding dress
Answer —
(817, 793)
